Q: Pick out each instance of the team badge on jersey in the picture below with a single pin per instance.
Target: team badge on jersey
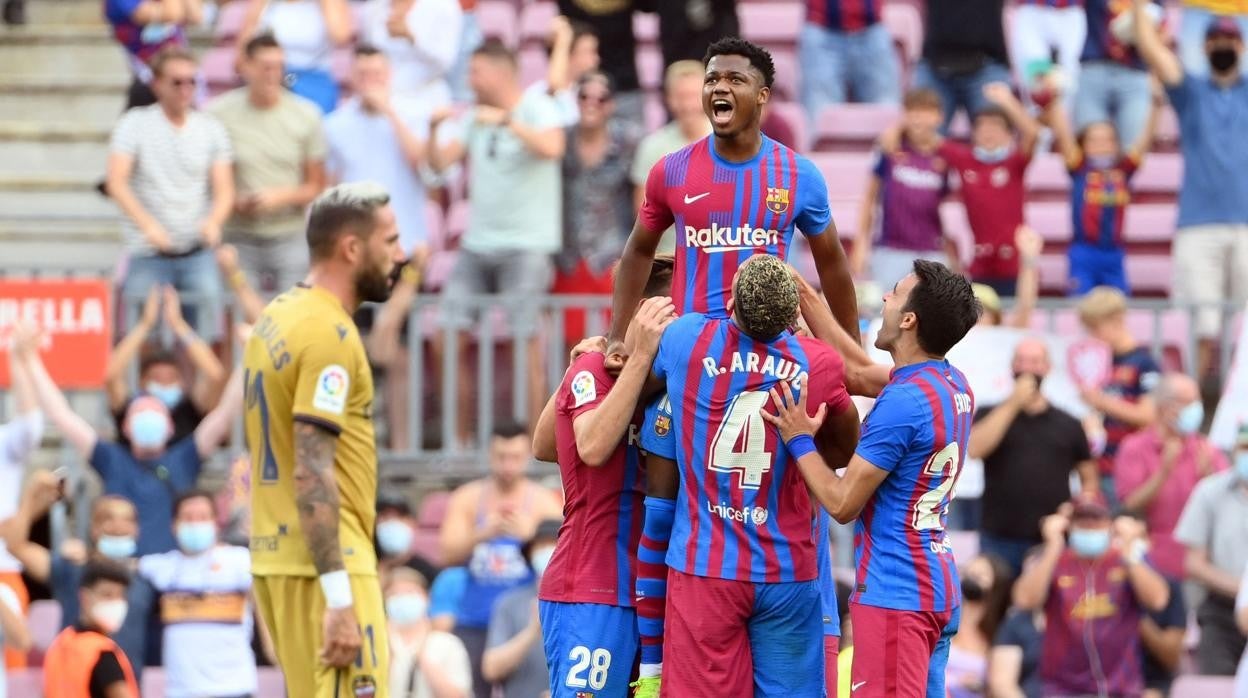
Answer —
(583, 388)
(777, 199)
(662, 425)
(331, 389)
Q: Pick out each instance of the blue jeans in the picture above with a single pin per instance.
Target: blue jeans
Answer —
(1115, 93)
(1012, 550)
(1192, 40)
(195, 275)
(470, 38)
(836, 65)
(965, 91)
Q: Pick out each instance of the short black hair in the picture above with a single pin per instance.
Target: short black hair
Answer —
(259, 43)
(758, 56)
(157, 357)
(508, 429)
(363, 50)
(96, 571)
(493, 47)
(194, 494)
(944, 304)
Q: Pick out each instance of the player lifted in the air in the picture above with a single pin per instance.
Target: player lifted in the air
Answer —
(906, 604)
(743, 605)
(309, 409)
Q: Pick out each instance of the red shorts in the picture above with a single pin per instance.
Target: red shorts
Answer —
(581, 281)
(831, 648)
(900, 653)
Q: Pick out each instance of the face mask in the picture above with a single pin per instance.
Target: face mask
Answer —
(195, 538)
(1101, 162)
(109, 615)
(171, 395)
(992, 155)
(406, 609)
(1190, 418)
(149, 429)
(1241, 465)
(1222, 60)
(541, 559)
(116, 547)
(972, 590)
(394, 537)
(1089, 543)
(1039, 378)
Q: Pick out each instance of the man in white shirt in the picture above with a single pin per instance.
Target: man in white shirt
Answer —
(205, 606)
(573, 52)
(421, 39)
(18, 439)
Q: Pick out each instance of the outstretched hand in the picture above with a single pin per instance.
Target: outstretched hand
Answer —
(792, 418)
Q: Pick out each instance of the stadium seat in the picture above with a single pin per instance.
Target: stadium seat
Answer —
(434, 227)
(432, 509)
(25, 682)
(1149, 274)
(846, 175)
(1159, 177)
(428, 545)
(905, 24)
(772, 24)
(1195, 686)
(44, 621)
(650, 67)
(655, 111)
(498, 19)
(271, 683)
(217, 68)
(852, 126)
(1149, 224)
(795, 117)
(1047, 177)
(533, 61)
(1166, 137)
(535, 19)
(153, 681)
(646, 28)
(1054, 273)
(787, 73)
(456, 221)
(229, 21)
(1051, 219)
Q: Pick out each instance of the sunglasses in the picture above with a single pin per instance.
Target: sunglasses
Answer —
(596, 99)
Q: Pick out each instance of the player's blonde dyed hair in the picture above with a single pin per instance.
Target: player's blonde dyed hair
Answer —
(764, 296)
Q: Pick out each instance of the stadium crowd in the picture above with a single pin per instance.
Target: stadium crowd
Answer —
(514, 180)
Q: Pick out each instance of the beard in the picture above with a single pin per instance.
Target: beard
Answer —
(372, 286)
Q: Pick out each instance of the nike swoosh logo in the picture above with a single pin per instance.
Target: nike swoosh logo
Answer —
(691, 199)
(857, 686)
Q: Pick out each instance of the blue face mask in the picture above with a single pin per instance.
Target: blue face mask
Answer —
(1100, 162)
(1089, 543)
(394, 537)
(992, 155)
(170, 395)
(195, 538)
(149, 429)
(405, 609)
(1190, 418)
(1241, 465)
(116, 547)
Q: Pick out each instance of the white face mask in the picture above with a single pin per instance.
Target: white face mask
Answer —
(540, 559)
(109, 615)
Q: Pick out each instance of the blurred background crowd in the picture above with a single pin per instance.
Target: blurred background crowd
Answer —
(1082, 161)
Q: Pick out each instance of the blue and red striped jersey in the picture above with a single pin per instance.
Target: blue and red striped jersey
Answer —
(843, 15)
(827, 580)
(1098, 201)
(726, 212)
(595, 560)
(917, 431)
(743, 511)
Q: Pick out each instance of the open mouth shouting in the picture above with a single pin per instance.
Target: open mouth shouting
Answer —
(722, 111)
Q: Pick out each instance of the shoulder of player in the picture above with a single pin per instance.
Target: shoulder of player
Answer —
(905, 397)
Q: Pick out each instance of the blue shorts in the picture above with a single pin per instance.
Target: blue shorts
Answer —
(1096, 266)
(591, 648)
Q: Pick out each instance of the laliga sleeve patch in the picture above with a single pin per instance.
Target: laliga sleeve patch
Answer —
(584, 389)
(331, 390)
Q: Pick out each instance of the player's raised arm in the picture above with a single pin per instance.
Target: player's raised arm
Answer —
(838, 284)
(634, 268)
(862, 375)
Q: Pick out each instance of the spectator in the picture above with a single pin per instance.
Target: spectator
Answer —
(1014, 664)
(682, 90)
(169, 170)
(1029, 245)
(487, 522)
(424, 662)
(612, 23)
(1125, 401)
(1094, 590)
(1194, 21)
(1156, 469)
(1113, 80)
(907, 185)
(160, 375)
(250, 304)
(992, 170)
(687, 28)
(597, 199)
(1212, 527)
(377, 136)
(1241, 620)
(513, 144)
(445, 596)
(396, 532)
(279, 168)
(152, 470)
(421, 40)
(308, 31)
(111, 537)
(1029, 448)
(18, 439)
(83, 660)
(963, 53)
(1044, 32)
(514, 657)
(846, 52)
(573, 54)
(470, 39)
(14, 635)
(1163, 635)
(144, 28)
(986, 583)
(387, 347)
(1211, 245)
(1100, 191)
(205, 589)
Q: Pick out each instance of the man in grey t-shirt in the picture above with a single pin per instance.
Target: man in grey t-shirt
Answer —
(513, 143)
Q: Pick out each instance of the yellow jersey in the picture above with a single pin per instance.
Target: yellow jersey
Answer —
(305, 362)
(1219, 7)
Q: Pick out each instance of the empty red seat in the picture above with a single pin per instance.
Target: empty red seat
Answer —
(846, 175)
(432, 509)
(1149, 223)
(852, 126)
(646, 27)
(498, 19)
(795, 118)
(655, 111)
(1149, 273)
(905, 24)
(1193, 686)
(650, 67)
(788, 73)
(532, 61)
(1167, 135)
(229, 21)
(1047, 176)
(535, 19)
(1161, 174)
(772, 24)
(428, 544)
(1054, 272)
(1051, 219)
(217, 67)
(44, 621)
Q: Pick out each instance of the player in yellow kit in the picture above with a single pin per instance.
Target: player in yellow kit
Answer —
(309, 409)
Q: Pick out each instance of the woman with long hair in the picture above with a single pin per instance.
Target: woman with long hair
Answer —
(986, 584)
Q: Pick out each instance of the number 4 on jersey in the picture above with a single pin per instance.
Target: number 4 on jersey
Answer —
(740, 444)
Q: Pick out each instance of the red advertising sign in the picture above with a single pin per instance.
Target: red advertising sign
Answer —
(76, 318)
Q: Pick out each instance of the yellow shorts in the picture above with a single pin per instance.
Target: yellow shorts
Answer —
(293, 608)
